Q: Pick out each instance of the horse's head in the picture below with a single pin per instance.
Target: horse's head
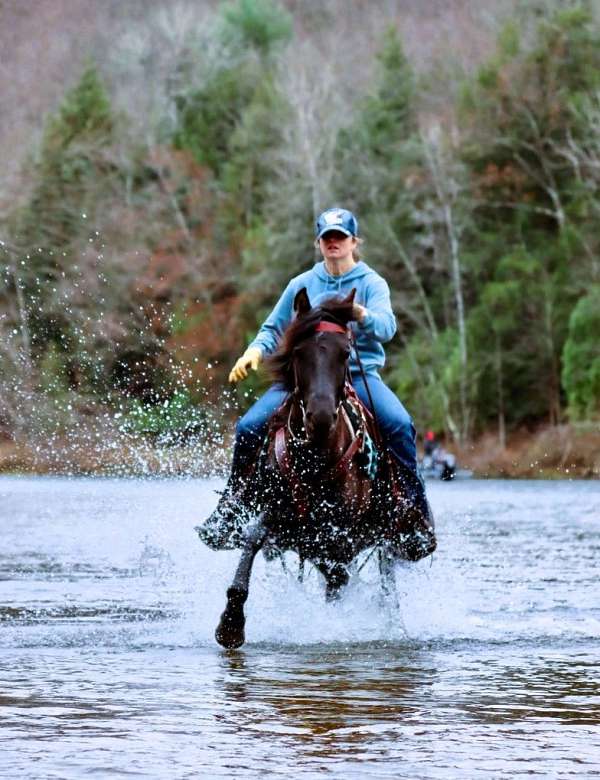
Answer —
(312, 361)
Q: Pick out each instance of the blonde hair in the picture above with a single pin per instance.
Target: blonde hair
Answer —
(356, 250)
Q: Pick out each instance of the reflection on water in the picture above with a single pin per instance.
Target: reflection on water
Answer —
(108, 666)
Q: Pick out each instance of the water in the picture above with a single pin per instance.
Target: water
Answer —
(108, 667)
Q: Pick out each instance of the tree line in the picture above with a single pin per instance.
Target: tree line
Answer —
(145, 251)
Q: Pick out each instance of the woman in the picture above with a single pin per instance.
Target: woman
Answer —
(336, 275)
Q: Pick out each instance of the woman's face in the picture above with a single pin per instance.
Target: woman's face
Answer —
(335, 245)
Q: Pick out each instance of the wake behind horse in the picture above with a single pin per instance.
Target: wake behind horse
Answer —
(319, 487)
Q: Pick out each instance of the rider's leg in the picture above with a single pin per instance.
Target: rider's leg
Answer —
(222, 529)
(250, 432)
(395, 423)
(399, 434)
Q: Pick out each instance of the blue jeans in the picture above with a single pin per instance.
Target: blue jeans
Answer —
(394, 421)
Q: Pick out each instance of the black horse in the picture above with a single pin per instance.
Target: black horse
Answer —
(320, 487)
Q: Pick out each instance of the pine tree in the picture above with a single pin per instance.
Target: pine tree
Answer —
(521, 121)
(581, 358)
(71, 169)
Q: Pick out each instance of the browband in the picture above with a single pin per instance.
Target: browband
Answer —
(329, 327)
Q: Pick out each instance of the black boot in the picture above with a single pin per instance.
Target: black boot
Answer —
(413, 519)
(224, 528)
(418, 541)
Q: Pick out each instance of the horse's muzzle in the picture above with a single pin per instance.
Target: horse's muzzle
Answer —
(320, 423)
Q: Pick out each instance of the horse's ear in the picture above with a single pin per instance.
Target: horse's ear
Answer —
(302, 303)
(349, 299)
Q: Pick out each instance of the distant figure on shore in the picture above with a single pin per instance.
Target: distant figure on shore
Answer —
(436, 461)
(430, 443)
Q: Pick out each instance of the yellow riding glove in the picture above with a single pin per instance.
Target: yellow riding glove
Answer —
(250, 359)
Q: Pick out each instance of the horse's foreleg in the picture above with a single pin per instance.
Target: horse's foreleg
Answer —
(335, 578)
(387, 577)
(230, 631)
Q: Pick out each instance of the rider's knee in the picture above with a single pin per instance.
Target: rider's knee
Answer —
(244, 427)
(248, 428)
(400, 425)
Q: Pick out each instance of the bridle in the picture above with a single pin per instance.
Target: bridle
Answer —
(323, 326)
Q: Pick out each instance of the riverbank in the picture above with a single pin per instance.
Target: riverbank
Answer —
(562, 452)
(113, 456)
(557, 452)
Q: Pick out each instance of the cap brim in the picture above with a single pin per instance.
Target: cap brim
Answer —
(333, 229)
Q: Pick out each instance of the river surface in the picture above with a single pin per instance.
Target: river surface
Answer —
(108, 667)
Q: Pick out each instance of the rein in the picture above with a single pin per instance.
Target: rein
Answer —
(376, 429)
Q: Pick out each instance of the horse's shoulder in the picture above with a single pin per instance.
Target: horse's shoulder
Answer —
(279, 418)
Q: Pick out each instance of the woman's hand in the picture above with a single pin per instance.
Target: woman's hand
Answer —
(358, 312)
(250, 359)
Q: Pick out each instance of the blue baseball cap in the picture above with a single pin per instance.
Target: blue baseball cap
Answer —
(341, 220)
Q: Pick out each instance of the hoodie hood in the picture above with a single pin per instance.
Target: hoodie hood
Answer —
(335, 284)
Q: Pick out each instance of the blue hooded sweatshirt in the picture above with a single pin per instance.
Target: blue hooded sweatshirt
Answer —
(372, 292)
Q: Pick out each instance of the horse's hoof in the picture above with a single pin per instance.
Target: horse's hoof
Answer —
(332, 593)
(230, 633)
(336, 579)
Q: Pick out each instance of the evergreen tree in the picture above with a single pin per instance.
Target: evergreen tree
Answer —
(72, 168)
(378, 153)
(520, 120)
(380, 177)
(260, 25)
(581, 358)
(232, 124)
(406, 192)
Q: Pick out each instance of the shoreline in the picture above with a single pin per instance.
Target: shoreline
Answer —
(557, 453)
(550, 452)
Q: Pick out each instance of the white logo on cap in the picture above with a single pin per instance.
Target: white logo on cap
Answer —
(334, 218)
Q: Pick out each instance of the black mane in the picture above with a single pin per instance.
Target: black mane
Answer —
(279, 364)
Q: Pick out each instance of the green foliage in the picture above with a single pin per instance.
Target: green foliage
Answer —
(509, 40)
(380, 160)
(388, 116)
(520, 121)
(203, 232)
(70, 160)
(581, 358)
(259, 24)
(249, 167)
(175, 419)
(53, 372)
(68, 179)
(84, 113)
(208, 116)
(423, 376)
(383, 124)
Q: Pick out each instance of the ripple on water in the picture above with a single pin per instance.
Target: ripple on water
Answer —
(107, 658)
